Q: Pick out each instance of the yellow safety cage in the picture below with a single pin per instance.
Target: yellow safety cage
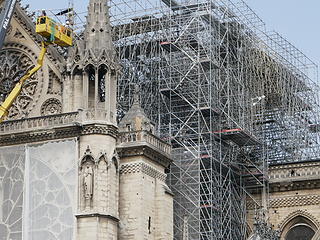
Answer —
(54, 32)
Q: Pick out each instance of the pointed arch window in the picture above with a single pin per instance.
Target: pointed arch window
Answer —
(91, 87)
(300, 231)
(299, 228)
(102, 83)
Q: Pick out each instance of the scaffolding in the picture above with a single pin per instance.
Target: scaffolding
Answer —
(228, 95)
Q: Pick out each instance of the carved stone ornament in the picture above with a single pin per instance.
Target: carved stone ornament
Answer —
(88, 182)
(51, 106)
(87, 164)
(13, 64)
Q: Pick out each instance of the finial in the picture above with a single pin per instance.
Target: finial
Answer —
(88, 151)
(136, 93)
(185, 233)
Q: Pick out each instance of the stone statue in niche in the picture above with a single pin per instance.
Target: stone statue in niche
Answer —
(88, 184)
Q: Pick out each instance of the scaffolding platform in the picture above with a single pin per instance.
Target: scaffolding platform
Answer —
(238, 136)
(168, 92)
(209, 111)
(169, 46)
(208, 64)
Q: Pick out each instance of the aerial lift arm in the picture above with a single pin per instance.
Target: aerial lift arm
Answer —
(53, 33)
(5, 106)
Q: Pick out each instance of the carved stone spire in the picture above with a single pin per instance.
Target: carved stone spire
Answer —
(96, 47)
(185, 233)
(93, 67)
(136, 99)
(98, 29)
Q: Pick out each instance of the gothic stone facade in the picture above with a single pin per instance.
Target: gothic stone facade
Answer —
(294, 200)
(67, 170)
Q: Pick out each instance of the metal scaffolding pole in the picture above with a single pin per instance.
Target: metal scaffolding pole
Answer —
(226, 94)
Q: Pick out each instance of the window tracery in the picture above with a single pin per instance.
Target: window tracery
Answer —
(13, 64)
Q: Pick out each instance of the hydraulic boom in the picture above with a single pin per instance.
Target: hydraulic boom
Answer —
(51, 31)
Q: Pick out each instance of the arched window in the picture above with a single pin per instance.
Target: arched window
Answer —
(299, 228)
(102, 83)
(300, 231)
(91, 86)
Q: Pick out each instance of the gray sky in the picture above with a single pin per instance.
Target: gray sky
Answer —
(296, 20)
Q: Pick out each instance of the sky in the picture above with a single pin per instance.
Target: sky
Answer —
(296, 20)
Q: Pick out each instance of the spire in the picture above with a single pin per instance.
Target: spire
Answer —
(185, 229)
(98, 29)
(136, 100)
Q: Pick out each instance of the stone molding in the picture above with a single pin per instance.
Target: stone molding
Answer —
(295, 184)
(95, 214)
(51, 127)
(294, 176)
(295, 201)
(142, 143)
(303, 213)
(294, 171)
(144, 168)
(144, 149)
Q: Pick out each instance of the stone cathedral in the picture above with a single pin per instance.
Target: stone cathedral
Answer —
(69, 171)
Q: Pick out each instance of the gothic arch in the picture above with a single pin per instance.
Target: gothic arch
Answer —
(298, 218)
(90, 67)
(102, 157)
(87, 158)
(103, 66)
(76, 70)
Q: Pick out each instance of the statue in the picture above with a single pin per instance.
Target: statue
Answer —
(88, 182)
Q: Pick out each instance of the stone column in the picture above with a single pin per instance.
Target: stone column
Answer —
(108, 95)
(67, 93)
(85, 88)
(96, 89)
(77, 92)
(113, 97)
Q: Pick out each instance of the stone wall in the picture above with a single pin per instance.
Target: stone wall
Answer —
(294, 197)
(146, 205)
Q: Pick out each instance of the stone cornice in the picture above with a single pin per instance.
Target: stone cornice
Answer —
(294, 184)
(144, 149)
(294, 176)
(142, 143)
(137, 167)
(293, 201)
(51, 127)
(294, 165)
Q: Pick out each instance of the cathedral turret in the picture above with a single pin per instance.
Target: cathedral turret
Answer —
(146, 202)
(90, 88)
(91, 80)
